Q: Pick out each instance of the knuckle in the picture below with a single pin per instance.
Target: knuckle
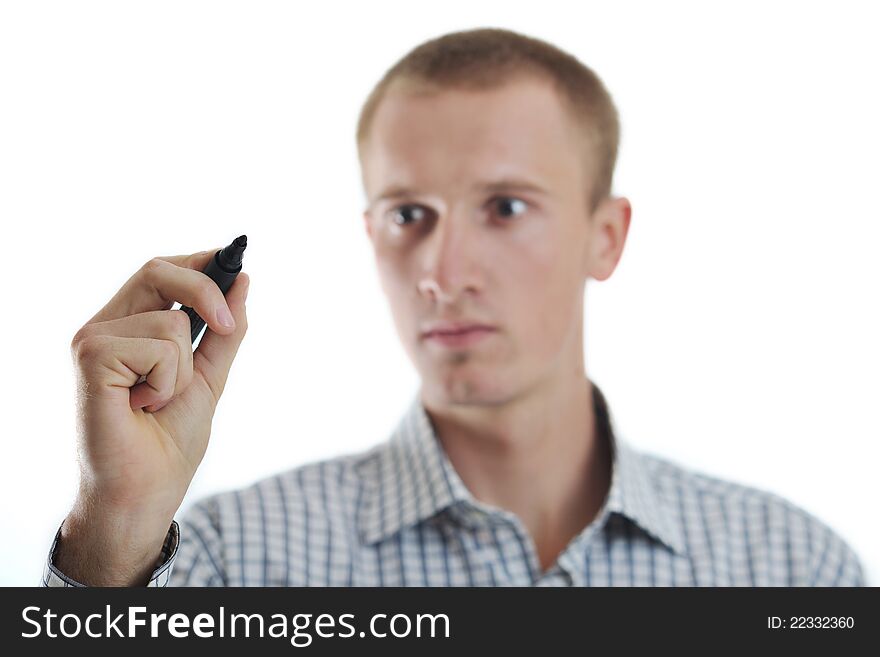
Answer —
(170, 350)
(89, 347)
(207, 289)
(78, 337)
(152, 265)
(179, 323)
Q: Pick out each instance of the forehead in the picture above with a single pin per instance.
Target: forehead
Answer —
(452, 136)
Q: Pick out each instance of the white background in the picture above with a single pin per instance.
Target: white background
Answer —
(738, 335)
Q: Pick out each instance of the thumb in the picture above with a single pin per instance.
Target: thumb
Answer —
(213, 358)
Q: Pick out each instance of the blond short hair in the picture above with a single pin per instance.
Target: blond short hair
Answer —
(488, 57)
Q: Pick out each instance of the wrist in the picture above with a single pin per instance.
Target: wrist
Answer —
(98, 546)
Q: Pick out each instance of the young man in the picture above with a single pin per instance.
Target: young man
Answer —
(487, 161)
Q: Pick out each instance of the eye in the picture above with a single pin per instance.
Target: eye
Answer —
(508, 206)
(407, 214)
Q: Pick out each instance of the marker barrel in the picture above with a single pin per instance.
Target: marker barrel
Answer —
(222, 269)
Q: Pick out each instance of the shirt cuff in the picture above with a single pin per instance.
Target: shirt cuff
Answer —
(54, 577)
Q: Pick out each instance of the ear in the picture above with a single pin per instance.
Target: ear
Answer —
(368, 225)
(610, 221)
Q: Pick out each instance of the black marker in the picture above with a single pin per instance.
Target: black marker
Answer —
(222, 269)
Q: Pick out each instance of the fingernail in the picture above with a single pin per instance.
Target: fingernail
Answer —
(225, 317)
(247, 287)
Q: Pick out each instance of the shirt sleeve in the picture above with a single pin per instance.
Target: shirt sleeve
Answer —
(52, 576)
(836, 563)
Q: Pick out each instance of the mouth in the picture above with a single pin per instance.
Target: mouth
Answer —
(458, 336)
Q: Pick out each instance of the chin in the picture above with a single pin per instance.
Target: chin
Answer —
(462, 387)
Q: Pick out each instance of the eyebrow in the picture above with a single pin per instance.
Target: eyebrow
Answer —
(521, 184)
(503, 184)
(394, 192)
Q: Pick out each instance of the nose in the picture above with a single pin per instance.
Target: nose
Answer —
(449, 260)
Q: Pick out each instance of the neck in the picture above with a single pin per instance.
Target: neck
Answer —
(538, 456)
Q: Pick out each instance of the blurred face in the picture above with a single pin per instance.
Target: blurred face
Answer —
(478, 216)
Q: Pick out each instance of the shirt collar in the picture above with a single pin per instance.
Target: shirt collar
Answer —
(409, 479)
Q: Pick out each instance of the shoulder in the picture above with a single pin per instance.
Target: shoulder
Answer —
(755, 536)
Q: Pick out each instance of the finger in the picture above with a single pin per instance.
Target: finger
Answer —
(171, 325)
(213, 359)
(116, 363)
(159, 283)
(158, 388)
(198, 260)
